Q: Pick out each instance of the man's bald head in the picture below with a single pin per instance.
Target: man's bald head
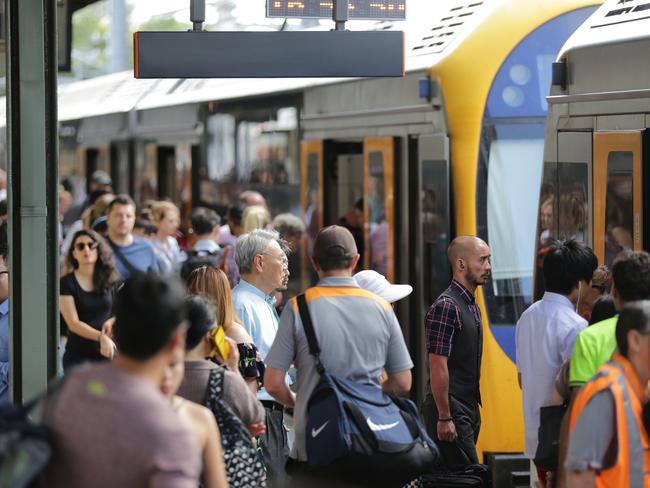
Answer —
(463, 247)
(469, 258)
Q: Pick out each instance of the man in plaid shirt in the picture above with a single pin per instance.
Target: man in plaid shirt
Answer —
(454, 344)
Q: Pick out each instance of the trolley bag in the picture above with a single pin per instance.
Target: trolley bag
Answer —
(361, 432)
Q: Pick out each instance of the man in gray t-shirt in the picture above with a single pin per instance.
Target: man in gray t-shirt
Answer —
(357, 331)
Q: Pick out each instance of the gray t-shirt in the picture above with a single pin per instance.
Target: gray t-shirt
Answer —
(358, 335)
(111, 429)
(591, 445)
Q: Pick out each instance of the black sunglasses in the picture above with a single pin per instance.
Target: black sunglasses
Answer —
(80, 246)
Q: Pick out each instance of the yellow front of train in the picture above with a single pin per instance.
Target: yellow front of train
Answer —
(494, 79)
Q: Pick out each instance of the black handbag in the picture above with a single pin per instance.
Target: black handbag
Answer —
(548, 437)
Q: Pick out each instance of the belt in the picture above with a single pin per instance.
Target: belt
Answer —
(271, 405)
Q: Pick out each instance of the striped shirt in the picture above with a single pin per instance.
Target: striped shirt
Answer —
(444, 320)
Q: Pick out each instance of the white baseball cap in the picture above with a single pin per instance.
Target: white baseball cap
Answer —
(372, 281)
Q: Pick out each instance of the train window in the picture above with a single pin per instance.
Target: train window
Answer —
(254, 149)
(619, 208)
(563, 211)
(435, 227)
(513, 167)
(378, 234)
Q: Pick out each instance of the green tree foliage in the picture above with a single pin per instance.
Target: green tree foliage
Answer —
(91, 30)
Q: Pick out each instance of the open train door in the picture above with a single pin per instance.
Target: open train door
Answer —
(379, 205)
(618, 194)
(311, 203)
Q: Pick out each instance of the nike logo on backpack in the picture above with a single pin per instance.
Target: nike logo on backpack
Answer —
(379, 427)
(315, 432)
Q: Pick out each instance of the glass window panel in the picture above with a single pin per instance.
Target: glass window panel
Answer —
(573, 212)
(619, 208)
(253, 150)
(435, 228)
(378, 232)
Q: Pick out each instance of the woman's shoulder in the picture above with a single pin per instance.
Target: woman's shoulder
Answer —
(238, 333)
(68, 284)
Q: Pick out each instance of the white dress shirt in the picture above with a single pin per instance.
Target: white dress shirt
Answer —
(545, 335)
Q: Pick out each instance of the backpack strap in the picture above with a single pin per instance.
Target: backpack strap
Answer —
(127, 264)
(310, 333)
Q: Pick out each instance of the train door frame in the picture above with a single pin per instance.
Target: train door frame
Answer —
(606, 142)
(424, 149)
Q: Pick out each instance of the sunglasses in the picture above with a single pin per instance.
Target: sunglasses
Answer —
(80, 246)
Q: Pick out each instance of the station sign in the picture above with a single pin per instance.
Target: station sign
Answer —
(285, 54)
(323, 9)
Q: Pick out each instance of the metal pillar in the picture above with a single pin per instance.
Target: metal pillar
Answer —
(119, 51)
(32, 193)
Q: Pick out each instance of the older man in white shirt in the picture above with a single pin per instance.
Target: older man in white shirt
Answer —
(547, 330)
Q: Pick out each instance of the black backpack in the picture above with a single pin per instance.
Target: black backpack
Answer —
(244, 466)
(197, 259)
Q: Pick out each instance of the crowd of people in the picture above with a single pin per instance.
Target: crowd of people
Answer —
(185, 361)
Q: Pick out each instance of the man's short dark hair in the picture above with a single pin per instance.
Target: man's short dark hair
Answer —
(204, 220)
(634, 316)
(148, 309)
(566, 264)
(121, 199)
(631, 274)
(201, 316)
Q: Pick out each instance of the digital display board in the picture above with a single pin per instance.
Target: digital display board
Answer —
(357, 9)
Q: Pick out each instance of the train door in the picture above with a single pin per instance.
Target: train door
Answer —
(379, 205)
(430, 201)
(618, 202)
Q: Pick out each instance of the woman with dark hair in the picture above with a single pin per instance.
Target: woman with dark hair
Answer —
(86, 299)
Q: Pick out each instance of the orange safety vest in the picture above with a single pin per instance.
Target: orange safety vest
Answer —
(632, 468)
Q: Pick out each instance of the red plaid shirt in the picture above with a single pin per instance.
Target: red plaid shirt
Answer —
(444, 319)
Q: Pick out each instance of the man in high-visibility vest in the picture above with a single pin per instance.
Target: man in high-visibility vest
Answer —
(608, 444)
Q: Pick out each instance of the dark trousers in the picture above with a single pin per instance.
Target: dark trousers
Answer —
(467, 421)
(274, 446)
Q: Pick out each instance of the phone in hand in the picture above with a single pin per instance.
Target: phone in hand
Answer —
(220, 343)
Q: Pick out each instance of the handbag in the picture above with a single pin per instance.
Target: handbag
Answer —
(243, 463)
(548, 436)
(360, 431)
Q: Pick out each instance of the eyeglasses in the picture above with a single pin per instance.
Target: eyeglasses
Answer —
(80, 246)
(281, 259)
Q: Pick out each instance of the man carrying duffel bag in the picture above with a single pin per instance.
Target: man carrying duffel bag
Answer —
(350, 430)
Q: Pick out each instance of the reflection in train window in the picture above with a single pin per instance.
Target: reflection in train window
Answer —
(563, 211)
(255, 150)
(378, 232)
(435, 228)
(619, 205)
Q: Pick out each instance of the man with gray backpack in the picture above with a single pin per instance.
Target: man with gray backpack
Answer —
(340, 338)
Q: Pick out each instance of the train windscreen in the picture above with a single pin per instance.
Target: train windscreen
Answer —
(510, 170)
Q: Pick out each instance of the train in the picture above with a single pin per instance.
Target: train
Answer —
(597, 141)
(454, 147)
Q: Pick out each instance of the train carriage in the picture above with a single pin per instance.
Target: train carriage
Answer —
(595, 181)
